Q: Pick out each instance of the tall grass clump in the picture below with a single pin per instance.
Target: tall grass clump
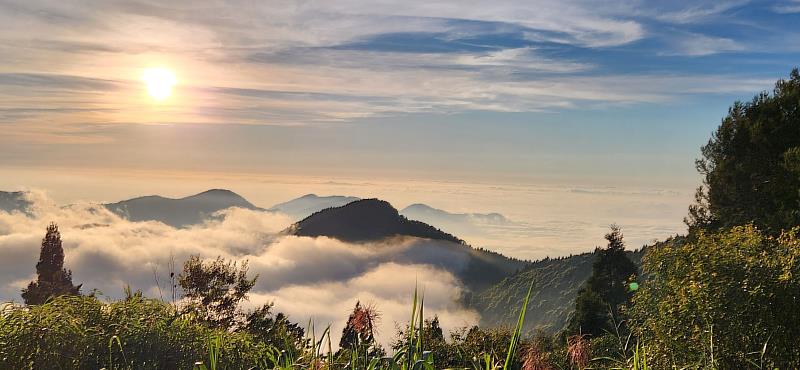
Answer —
(75, 332)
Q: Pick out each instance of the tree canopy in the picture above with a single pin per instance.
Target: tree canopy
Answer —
(738, 289)
(215, 288)
(751, 165)
(52, 278)
(606, 290)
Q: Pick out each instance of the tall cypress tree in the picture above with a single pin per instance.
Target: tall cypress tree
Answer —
(606, 290)
(53, 279)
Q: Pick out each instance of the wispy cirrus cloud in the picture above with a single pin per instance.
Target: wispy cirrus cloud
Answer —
(696, 11)
(787, 7)
(691, 44)
(322, 62)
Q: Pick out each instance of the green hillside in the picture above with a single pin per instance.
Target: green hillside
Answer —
(557, 281)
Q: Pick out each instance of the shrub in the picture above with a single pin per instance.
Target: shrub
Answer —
(721, 300)
(73, 332)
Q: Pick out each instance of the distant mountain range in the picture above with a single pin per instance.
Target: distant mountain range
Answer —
(428, 214)
(300, 208)
(470, 226)
(195, 209)
(374, 220)
(180, 212)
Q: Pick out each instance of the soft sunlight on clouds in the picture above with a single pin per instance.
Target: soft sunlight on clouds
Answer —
(699, 45)
(159, 82)
(321, 62)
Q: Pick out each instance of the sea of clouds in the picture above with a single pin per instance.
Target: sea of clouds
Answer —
(307, 278)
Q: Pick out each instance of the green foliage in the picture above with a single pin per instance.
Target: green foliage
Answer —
(725, 300)
(52, 278)
(558, 281)
(446, 354)
(214, 289)
(590, 315)
(74, 332)
(751, 165)
(275, 330)
(552, 302)
(599, 301)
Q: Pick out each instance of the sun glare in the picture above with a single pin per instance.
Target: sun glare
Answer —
(159, 82)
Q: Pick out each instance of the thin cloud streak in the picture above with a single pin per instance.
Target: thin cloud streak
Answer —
(284, 63)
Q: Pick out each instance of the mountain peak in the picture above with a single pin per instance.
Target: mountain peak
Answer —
(375, 206)
(180, 212)
(366, 220)
(219, 192)
(222, 193)
(419, 206)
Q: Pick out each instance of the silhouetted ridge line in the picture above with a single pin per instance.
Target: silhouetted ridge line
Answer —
(367, 220)
(181, 212)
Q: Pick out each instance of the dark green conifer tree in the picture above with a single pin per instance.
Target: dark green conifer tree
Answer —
(600, 299)
(52, 278)
(751, 165)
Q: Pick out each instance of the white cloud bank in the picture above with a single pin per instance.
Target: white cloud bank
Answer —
(318, 278)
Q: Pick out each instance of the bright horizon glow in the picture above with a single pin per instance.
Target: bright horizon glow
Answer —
(160, 82)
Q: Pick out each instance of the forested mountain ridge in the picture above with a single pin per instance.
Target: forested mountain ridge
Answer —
(367, 220)
(371, 220)
(556, 284)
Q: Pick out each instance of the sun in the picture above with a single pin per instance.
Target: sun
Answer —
(159, 82)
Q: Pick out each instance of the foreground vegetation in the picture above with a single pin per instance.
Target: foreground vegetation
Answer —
(81, 332)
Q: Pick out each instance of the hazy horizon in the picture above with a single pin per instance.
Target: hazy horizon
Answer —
(550, 219)
(103, 102)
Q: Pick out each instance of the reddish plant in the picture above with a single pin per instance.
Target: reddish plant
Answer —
(579, 350)
(533, 358)
(360, 326)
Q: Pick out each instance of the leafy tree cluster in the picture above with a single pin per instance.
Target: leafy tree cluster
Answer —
(727, 295)
(214, 289)
(751, 165)
(734, 294)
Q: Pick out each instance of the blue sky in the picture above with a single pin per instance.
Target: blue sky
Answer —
(596, 93)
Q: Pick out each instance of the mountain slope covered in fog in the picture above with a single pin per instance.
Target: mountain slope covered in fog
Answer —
(180, 212)
(442, 218)
(556, 284)
(372, 220)
(302, 207)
